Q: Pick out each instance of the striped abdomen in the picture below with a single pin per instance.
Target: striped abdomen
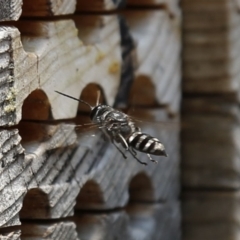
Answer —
(146, 143)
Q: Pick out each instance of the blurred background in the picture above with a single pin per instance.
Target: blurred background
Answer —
(210, 114)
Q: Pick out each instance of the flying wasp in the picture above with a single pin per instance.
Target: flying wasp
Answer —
(119, 128)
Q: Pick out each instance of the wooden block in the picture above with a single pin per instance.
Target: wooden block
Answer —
(205, 21)
(210, 36)
(172, 6)
(105, 226)
(136, 221)
(50, 171)
(10, 234)
(210, 6)
(145, 2)
(205, 50)
(207, 70)
(210, 137)
(10, 10)
(54, 230)
(154, 221)
(74, 64)
(211, 214)
(211, 206)
(26, 168)
(100, 5)
(158, 56)
(119, 172)
(48, 8)
(209, 231)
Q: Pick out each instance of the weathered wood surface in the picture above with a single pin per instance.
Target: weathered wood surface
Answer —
(50, 175)
(100, 5)
(172, 6)
(158, 42)
(12, 233)
(219, 223)
(48, 171)
(154, 221)
(10, 10)
(210, 136)
(224, 206)
(51, 52)
(137, 222)
(211, 6)
(105, 226)
(211, 146)
(211, 47)
(208, 231)
(52, 230)
(23, 169)
(48, 7)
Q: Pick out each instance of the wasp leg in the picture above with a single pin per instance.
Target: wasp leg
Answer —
(152, 159)
(119, 149)
(112, 141)
(134, 155)
(133, 151)
(124, 142)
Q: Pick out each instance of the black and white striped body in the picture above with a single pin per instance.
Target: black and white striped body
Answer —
(146, 143)
(116, 124)
(120, 129)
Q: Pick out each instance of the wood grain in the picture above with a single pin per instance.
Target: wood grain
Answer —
(53, 230)
(211, 47)
(48, 171)
(171, 6)
(199, 221)
(51, 59)
(48, 8)
(10, 10)
(158, 57)
(206, 162)
(12, 233)
(99, 5)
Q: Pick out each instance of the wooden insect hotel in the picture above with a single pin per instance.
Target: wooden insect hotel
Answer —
(57, 181)
(210, 142)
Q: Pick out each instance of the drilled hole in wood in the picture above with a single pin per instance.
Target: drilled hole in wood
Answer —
(90, 226)
(47, 8)
(142, 93)
(140, 189)
(35, 205)
(141, 2)
(36, 106)
(90, 197)
(89, 28)
(90, 5)
(90, 95)
(12, 232)
(139, 209)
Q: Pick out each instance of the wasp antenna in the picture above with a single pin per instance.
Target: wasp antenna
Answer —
(98, 97)
(79, 100)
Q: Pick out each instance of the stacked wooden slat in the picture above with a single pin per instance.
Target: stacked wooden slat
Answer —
(60, 183)
(210, 139)
(158, 54)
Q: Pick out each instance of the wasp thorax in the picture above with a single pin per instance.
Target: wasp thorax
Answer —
(97, 113)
